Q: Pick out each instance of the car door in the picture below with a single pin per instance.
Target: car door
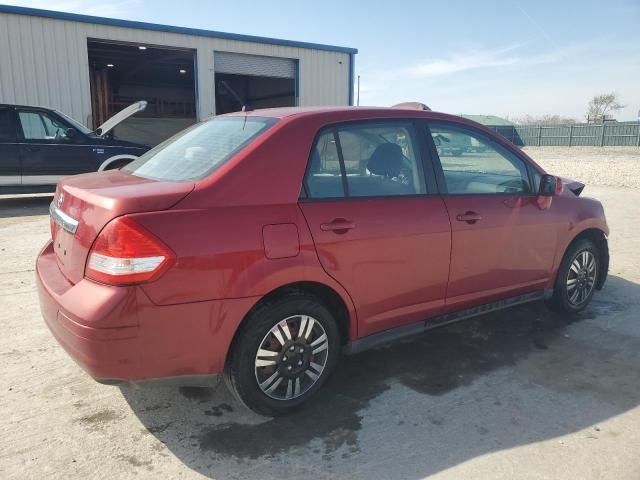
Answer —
(9, 158)
(47, 150)
(503, 243)
(377, 229)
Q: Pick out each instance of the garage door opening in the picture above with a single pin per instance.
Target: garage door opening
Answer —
(122, 74)
(254, 81)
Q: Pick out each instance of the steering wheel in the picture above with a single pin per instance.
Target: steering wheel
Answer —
(513, 186)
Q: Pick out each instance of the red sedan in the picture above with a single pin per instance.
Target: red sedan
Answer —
(262, 244)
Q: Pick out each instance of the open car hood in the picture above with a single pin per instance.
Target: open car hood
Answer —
(121, 116)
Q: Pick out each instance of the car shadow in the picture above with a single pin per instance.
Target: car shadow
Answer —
(22, 206)
(418, 407)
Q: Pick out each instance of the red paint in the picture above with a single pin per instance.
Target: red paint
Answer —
(281, 241)
(513, 244)
(241, 232)
(407, 238)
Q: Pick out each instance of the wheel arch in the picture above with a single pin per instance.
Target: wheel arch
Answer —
(336, 304)
(116, 159)
(599, 238)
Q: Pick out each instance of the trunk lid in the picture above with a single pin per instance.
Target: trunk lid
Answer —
(84, 204)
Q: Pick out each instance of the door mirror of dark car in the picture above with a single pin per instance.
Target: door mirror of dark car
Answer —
(548, 186)
(70, 133)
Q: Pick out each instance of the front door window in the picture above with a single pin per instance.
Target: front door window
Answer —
(40, 126)
(474, 165)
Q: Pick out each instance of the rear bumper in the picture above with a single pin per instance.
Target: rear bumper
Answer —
(118, 335)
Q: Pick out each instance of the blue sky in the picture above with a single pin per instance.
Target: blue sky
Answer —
(507, 58)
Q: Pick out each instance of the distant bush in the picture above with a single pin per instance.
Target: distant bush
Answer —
(544, 120)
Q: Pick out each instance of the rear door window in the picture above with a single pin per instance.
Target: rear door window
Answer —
(324, 176)
(365, 160)
(200, 150)
(7, 126)
(381, 161)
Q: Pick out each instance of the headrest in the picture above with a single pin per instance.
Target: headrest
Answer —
(386, 160)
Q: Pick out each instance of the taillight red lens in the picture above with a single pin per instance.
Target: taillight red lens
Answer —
(125, 253)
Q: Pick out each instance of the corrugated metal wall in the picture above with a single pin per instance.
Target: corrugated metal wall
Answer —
(44, 62)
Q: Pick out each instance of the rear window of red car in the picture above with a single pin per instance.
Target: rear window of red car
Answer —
(200, 150)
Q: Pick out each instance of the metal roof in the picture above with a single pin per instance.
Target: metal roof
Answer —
(73, 17)
(490, 120)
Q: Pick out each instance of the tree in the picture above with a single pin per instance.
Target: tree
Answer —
(602, 106)
(543, 120)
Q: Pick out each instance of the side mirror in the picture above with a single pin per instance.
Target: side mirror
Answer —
(70, 133)
(549, 186)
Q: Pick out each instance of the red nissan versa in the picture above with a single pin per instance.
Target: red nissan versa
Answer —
(261, 244)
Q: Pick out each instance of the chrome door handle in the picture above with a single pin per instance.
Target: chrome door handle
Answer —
(469, 217)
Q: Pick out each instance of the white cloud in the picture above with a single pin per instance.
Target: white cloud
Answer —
(460, 62)
(490, 58)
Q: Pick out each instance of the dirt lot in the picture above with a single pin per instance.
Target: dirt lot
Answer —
(611, 166)
(522, 394)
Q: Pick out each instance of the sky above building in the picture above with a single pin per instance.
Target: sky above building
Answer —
(506, 58)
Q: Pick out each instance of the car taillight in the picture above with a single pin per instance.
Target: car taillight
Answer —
(125, 253)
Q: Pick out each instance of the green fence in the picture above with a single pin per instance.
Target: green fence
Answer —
(623, 134)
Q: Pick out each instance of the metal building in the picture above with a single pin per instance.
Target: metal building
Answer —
(90, 67)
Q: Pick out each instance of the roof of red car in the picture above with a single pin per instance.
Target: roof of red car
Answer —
(300, 111)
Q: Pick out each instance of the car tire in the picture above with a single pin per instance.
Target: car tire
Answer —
(577, 277)
(274, 367)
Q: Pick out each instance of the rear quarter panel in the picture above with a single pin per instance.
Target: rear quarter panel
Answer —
(221, 255)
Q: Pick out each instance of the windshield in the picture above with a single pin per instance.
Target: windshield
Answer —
(198, 151)
(76, 125)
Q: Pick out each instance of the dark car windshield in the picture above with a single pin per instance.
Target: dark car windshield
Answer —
(200, 150)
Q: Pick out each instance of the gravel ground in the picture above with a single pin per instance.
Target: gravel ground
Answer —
(520, 394)
(610, 166)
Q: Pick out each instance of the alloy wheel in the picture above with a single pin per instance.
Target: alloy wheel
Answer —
(581, 277)
(291, 357)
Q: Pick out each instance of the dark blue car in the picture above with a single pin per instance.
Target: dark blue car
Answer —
(39, 146)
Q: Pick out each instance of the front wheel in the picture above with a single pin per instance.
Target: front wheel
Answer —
(285, 352)
(577, 277)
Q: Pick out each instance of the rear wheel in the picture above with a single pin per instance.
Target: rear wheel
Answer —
(284, 354)
(577, 277)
